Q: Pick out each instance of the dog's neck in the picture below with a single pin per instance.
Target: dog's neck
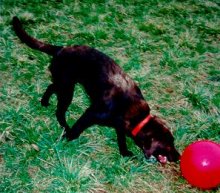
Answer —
(140, 125)
(136, 116)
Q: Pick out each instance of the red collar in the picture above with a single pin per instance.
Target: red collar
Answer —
(140, 125)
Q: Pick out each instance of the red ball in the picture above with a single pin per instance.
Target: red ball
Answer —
(200, 164)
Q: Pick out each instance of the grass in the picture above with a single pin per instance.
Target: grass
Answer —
(170, 47)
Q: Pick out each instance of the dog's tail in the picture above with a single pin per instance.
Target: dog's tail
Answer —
(32, 42)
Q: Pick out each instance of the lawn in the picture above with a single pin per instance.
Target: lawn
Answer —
(171, 48)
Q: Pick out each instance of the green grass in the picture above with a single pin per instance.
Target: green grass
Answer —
(170, 47)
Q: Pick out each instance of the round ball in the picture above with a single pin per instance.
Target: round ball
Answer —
(200, 164)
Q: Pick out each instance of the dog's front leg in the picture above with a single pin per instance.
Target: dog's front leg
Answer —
(64, 96)
(121, 138)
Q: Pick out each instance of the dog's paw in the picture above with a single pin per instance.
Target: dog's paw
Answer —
(126, 153)
(44, 103)
(69, 136)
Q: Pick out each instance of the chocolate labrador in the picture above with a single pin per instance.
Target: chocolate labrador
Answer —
(116, 100)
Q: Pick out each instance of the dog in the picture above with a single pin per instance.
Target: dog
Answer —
(116, 100)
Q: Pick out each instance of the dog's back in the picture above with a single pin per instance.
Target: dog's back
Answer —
(97, 72)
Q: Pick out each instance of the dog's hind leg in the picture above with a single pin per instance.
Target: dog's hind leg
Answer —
(85, 121)
(93, 115)
(64, 97)
(46, 96)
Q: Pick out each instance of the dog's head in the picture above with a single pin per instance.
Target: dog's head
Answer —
(155, 139)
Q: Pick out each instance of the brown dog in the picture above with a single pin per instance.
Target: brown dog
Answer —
(116, 101)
